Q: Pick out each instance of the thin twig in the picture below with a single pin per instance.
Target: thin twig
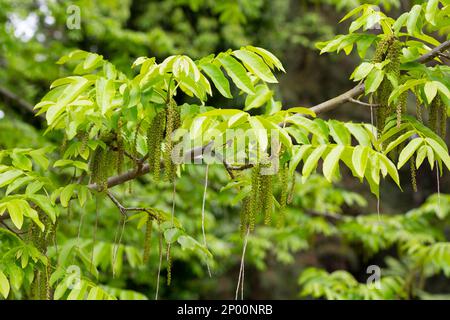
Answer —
(372, 105)
(203, 216)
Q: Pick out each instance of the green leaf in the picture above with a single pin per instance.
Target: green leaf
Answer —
(9, 176)
(66, 194)
(339, 132)
(408, 151)
(440, 151)
(311, 162)
(104, 89)
(171, 235)
(186, 242)
(359, 160)
(353, 12)
(66, 162)
(21, 161)
(237, 73)
(411, 24)
(16, 184)
(442, 88)
(218, 78)
(68, 95)
(390, 167)
(307, 124)
(431, 10)
(421, 155)
(359, 133)
(398, 141)
(43, 202)
(260, 132)
(302, 110)
(255, 64)
(270, 59)
(373, 80)
(430, 90)
(331, 162)
(15, 212)
(362, 71)
(262, 95)
(298, 155)
(400, 22)
(4, 285)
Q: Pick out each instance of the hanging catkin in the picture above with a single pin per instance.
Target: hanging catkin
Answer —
(433, 115)
(245, 214)
(172, 123)
(155, 136)
(255, 203)
(419, 110)
(401, 108)
(442, 113)
(389, 48)
(266, 197)
(169, 265)
(283, 194)
(148, 239)
(120, 147)
(413, 174)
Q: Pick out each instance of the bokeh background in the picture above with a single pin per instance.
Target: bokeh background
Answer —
(34, 35)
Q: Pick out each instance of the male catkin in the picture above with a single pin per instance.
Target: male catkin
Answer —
(172, 123)
(148, 239)
(155, 136)
(389, 48)
(283, 194)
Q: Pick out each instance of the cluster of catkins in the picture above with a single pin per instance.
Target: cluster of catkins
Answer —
(40, 287)
(261, 198)
(161, 129)
(105, 161)
(389, 48)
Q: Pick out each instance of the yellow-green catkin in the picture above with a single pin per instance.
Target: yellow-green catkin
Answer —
(155, 136)
(433, 115)
(172, 123)
(401, 108)
(245, 215)
(99, 168)
(419, 110)
(120, 147)
(413, 174)
(169, 265)
(442, 113)
(148, 239)
(265, 195)
(283, 194)
(389, 48)
(255, 203)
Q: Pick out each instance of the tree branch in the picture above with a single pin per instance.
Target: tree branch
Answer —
(427, 57)
(359, 89)
(28, 107)
(123, 210)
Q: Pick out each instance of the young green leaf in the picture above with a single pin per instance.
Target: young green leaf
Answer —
(237, 73)
(331, 162)
(4, 285)
(408, 151)
(255, 64)
(218, 78)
